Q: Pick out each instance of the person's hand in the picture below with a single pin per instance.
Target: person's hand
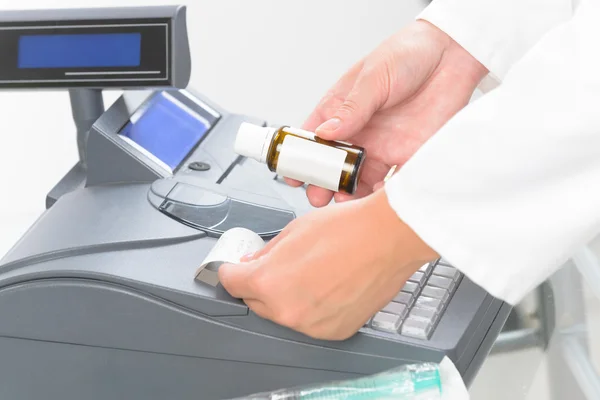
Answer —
(394, 100)
(331, 270)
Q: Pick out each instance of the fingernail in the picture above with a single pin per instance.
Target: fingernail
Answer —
(329, 126)
(247, 257)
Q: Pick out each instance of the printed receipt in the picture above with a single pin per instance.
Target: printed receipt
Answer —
(230, 248)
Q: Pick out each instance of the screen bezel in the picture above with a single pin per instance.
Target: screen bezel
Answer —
(203, 110)
(156, 55)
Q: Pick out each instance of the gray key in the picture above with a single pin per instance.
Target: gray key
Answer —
(386, 322)
(447, 272)
(444, 262)
(426, 269)
(405, 298)
(424, 313)
(419, 278)
(436, 293)
(441, 282)
(397, 309)
(410, 287)
(416, 327)
(430, 303)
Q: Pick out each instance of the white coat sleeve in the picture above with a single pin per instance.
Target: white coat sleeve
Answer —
(509, 188)
(497, 32)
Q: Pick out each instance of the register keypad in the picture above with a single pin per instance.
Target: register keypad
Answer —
(417, 309)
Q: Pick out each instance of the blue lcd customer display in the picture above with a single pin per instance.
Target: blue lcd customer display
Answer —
(167, 128)
(103, 50)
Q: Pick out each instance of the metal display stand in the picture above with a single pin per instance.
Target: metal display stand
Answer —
(87, 105)
(562, 330)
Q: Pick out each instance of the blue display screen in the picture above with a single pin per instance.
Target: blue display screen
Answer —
(101, 50)
(167, 129)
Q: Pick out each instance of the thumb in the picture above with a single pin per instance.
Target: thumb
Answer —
(369, 94)
(235, 278)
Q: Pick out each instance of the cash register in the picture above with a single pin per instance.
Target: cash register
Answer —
(98, 298)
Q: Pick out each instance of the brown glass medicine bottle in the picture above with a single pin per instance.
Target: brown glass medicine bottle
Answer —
(301, 155)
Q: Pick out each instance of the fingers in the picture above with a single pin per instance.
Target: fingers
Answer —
(373, 171)
(243, 280)
(259, 308)
(240, 282)
(328, 106)
(369, 94)
(239, 279)
(318, 197)
(236, 279)
(363, 190)
(326, 109)
(293, 182)
(344, 112)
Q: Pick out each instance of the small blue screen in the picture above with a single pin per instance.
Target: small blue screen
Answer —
(80, 51)
(167, 129)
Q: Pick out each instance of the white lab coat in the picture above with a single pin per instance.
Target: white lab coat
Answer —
(509, 189)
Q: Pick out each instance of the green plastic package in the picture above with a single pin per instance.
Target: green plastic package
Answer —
(409, 382)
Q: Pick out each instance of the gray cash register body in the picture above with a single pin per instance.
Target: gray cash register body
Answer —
(98, 299)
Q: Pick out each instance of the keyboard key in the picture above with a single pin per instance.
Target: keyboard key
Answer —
(417, 328)
(386, 322)
(426, 269)
(447, 272)
(397, 309)
(405, 298)
(444, 262)
(418, 278)
(441, 282)
(436, 293)
(424, 313)
(430, 303)
(410, 287)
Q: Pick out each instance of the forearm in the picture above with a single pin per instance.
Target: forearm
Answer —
(510, 187)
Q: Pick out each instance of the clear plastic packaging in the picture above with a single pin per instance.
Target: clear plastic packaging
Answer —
(409, 382)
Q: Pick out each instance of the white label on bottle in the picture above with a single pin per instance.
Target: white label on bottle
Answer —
(311, 162)
(230, 248)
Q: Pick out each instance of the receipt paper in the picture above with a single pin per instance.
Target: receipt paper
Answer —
(230, 248)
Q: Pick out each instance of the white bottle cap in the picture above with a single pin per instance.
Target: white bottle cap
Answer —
(253, 141)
